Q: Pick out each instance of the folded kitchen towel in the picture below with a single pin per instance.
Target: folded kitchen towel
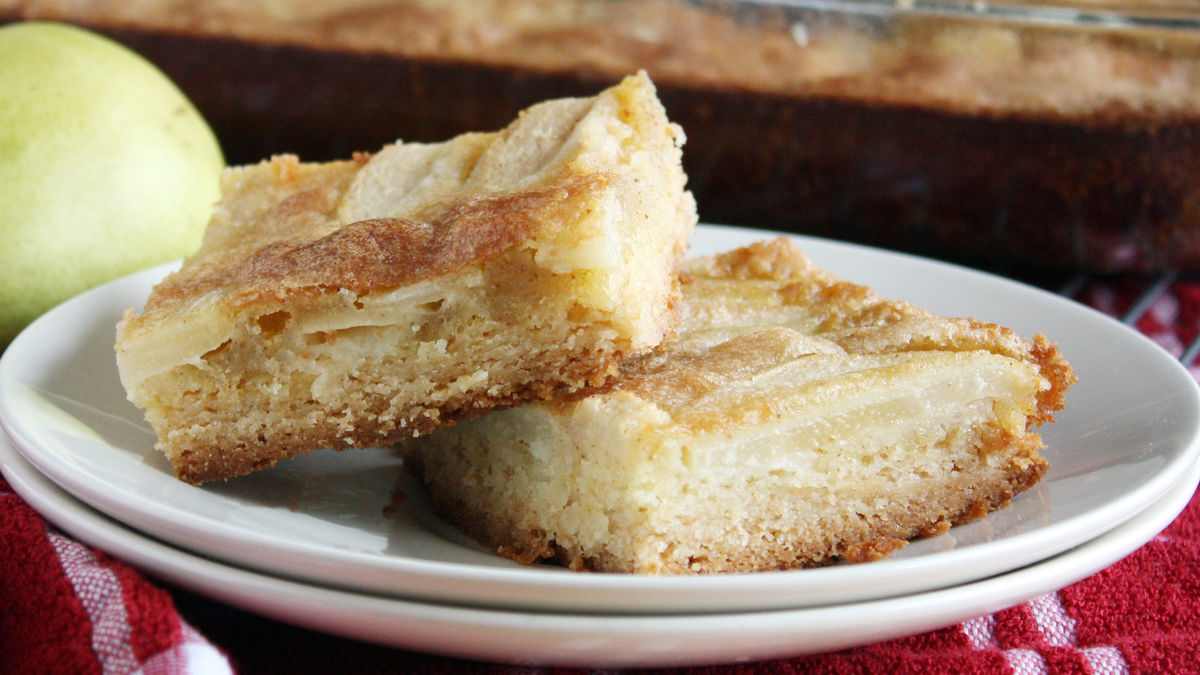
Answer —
(1141, 615)
(65, 608)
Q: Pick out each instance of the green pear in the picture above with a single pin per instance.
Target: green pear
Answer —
(105, 167)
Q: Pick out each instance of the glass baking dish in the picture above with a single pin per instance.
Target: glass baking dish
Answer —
(1014, 134)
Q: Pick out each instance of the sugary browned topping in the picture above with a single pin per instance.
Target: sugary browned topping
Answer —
(837, 314)
(282, 202)
(291, 245)
(384, 253)
(683, 381)
(415, 211)
(776, 260)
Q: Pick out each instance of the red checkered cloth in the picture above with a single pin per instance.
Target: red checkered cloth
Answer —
(66, 608)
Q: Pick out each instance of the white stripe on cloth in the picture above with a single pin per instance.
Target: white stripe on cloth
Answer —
(102, 596)
(1057, 627)
(981, 631)
(1025, 662)
(193, 655)
(1106, 660)
(99, 590)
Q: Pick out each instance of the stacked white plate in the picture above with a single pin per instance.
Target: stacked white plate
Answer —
(347, 543)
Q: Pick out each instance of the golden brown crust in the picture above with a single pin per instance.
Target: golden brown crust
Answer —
(779, 259)
(850, 315)
(304, 256)
(295, 200)
(1054, 367)
(871, 551)
(383, 253)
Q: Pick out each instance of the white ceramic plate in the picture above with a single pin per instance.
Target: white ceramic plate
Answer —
(1128, 433)
(588, 640)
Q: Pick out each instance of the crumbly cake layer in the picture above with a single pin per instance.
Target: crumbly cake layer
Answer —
(794, 421)
(359, 302)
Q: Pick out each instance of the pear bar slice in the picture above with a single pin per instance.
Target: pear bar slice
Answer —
(794, 421)
(358, 302)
